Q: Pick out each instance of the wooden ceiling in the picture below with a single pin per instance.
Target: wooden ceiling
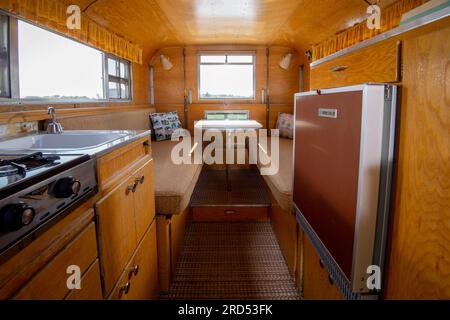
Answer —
(156, 24)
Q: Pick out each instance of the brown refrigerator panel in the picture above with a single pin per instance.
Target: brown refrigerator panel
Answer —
(327, 155)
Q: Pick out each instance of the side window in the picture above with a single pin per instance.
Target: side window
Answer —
(118, 78)
(5, 91)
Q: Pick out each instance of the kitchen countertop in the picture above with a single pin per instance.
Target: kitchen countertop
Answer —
(95, 152)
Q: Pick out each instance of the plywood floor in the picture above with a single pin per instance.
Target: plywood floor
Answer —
(232, 261)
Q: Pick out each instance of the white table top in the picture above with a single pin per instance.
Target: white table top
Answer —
(227, 124)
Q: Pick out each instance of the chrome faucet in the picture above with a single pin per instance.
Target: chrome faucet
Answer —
(54, 127)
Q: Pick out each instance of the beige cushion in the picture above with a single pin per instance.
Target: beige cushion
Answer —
(123, 120)
(281, 184)
(174, 184)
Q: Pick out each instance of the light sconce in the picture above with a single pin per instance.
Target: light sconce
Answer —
(285, 62)
(166, 63)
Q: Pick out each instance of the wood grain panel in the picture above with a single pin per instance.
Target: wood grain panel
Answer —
(112, 167)
(377, 63)
(230, 214)
(163, 242)
(169, 84)
(91, 288)
(419, 266)
(144, 199)
(51, 282)
(177, 234)
(116, 232)
(316, 281)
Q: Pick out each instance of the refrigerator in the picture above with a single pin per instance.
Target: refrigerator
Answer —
(343, 164)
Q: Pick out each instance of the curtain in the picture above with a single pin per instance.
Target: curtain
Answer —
(390, 18)
(52, 14)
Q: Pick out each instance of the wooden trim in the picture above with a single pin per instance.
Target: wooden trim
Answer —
(14, 116)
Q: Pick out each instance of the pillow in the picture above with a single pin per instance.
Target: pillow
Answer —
(164, 124)
(285, 124)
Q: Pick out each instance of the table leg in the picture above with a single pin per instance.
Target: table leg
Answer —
(229, 188)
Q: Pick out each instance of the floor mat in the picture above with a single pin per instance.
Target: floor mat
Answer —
(232, 261)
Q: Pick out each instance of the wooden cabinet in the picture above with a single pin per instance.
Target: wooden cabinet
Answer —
(123, 216)
(51, 282)
(116, 231)
(317, 283)
(377, 63)
(139, 281)
(91, 288)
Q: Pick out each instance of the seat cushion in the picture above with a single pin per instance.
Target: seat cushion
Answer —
(281, 183)
(174, 184)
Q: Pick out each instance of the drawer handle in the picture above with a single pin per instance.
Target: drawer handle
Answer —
(131, 188)
(140, 180)
(338, 68)
(230, 212)
(126, 288)
(135, 270)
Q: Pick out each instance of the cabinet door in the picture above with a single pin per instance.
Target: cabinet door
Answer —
(140, 279)
(317, 283)
(91, 288)
(51, 282)
(116, 231)
(144, 199)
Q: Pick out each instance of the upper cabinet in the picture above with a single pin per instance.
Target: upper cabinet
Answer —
(377, 63)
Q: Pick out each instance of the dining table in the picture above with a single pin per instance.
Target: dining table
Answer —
(228, 127)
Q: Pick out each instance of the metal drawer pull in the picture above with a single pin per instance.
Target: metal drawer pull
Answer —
(330, 279)
(230, 212)
(135, 270)
(131, 188)
(140, 180)
(338, 68)
(126, 288)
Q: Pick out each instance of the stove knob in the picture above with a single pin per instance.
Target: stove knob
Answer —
(15, 216)
(66, 187)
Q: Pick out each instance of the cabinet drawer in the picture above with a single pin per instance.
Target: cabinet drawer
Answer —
(230, 214)
(113, 166)
(144, 198)
(377, 63)
(116, 231)
(139, 281)
(51, 282)
(91, 288)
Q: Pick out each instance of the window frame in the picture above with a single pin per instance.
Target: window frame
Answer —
(117, 79)
(226, 54)
(8, 57)
(14, 70)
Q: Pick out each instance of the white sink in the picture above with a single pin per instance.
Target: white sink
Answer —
(69, 140)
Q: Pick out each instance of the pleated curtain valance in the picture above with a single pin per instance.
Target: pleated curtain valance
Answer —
(53, 14)
(390, 18)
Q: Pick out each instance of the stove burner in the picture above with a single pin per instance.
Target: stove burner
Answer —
(27, 163)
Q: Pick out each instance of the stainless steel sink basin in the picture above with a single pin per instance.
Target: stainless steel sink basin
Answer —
(69, 140)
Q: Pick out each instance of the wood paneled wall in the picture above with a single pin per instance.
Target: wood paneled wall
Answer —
(419, 260)
(169, 86)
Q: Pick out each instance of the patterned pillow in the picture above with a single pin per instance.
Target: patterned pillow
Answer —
(285, 124)
(164, 124)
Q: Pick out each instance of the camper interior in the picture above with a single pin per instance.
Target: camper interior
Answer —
(224, 150)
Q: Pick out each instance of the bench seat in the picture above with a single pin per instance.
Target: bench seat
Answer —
(174, 184)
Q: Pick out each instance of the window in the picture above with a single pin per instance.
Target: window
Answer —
(118, 74)
(227, 115)
(227, 76)
(52, 67)
(5, 91)
(41, 66)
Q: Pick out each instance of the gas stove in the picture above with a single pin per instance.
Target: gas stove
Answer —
(36, 191)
